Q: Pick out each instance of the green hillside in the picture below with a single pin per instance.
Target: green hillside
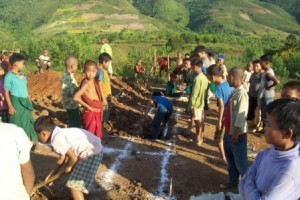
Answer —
(95, 17)
(169, 11)
(240, 17)
(5, 36)
(46, 18)
(290, 6)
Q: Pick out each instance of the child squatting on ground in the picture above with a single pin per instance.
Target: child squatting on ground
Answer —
(223, 91)
(89, 96)
(162, 115)
(235, 138)
(275, 172)
(82, 148)
(69, 86)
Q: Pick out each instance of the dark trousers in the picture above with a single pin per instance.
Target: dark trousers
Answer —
(161, 116)
(236, 155)
(251, 108)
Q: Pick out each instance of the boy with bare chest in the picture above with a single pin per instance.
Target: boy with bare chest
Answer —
(89, 96)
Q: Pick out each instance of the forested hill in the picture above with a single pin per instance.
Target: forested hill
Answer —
(44, 18)
(291, 6)
(229, 16)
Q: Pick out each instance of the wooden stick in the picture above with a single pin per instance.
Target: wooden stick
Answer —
(51, 178)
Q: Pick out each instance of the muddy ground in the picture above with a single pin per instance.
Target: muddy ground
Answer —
(133, 166)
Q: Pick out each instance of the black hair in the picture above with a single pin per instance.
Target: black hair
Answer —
(187, 55)
(287, 114)
(211, 54)
(215, 70)
(89, 63)
(186, 59)
(156, 93)
(197, 62)
(16, 57)
(266, 58)
(4, 67)
(292, 84)
(255, 62)
(199, 49)
(237, 73)
(44, 123)
(104, 57)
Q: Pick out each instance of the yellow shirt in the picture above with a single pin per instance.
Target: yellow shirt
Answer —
(103, 77)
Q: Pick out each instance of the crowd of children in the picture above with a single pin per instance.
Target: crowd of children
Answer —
(243, 98)
(82, 146)
(246, 97)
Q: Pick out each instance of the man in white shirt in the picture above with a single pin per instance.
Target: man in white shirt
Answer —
(16, 171)
(106, 48)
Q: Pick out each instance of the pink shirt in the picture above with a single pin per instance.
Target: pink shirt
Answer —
(3, 104)
(83, 143)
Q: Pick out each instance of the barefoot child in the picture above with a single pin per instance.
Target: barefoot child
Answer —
(253, 110)
(16, 95)
(4, 117)
(223, 92)
(104, 82)
(83, 150)
(275, 172)
(235, 138)
(69, 86)
(197, 98)
(269, 81)
(89, 96)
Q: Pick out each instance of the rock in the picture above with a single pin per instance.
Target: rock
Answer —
(54, 97)
(117, 187)
(45, 113)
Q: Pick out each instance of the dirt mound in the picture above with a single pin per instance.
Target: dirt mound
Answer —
(128, 99)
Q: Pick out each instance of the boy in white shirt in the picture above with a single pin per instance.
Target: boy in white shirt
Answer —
(83, 149)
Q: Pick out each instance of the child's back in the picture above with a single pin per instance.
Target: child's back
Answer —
(238, 110)
(69, 86)
(82, 142)
(223, 91)
(170, 88)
